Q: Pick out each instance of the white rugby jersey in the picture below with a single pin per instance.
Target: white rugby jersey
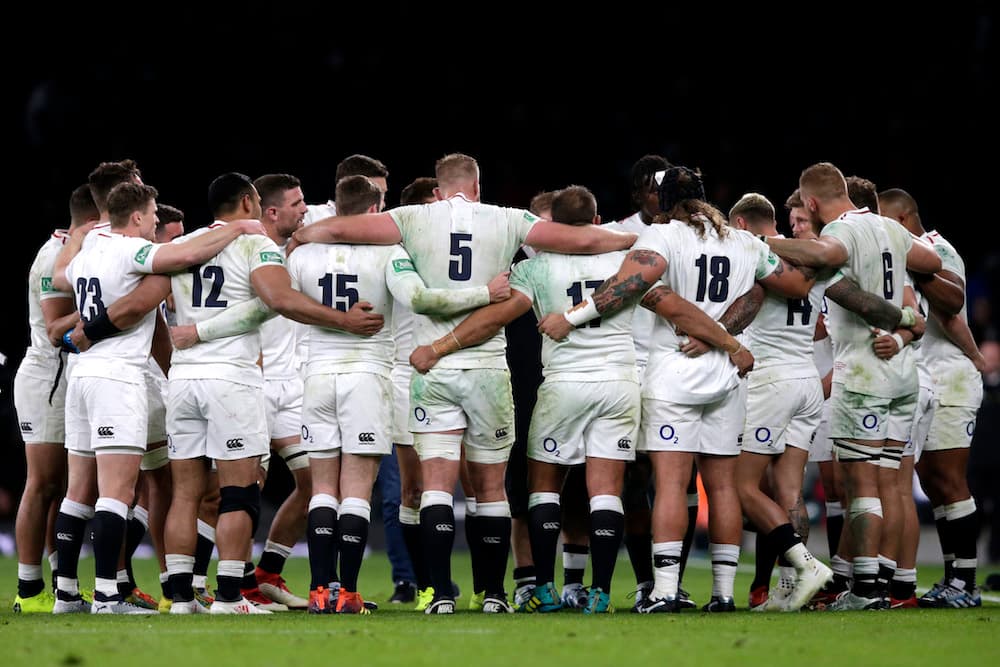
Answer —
(203, 291)
(876, 262)
(923, 372)
(109, 267)
(41, 359)
(711, 273)
(781, 337)
(823, 348)
(402, 332)
(339, 276)
(601, 349)
(457, 243)
(642, 320)
(280, 340)
(956, 380)
(316, 212)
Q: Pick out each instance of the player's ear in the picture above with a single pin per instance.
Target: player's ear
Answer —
(597, 219)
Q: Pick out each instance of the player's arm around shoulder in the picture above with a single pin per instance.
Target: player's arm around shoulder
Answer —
(195, 249)
(367, 228)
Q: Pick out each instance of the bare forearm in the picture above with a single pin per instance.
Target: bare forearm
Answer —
(799, 251)
(688, 318)
(958, 332)
(875, 310)
(742, 312)
(943, 295)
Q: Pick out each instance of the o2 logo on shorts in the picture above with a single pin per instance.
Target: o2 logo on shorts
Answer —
(763, 435)
(970, 428)
(551, 446)
(668, 433)
(306, 436)
(421, 415)
(171, 447)
(869, 422)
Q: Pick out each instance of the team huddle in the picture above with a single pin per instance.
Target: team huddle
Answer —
(165, 368)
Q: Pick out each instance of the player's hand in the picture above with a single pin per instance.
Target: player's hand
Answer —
(743, 360)
(291, 246)
(184, 336)
(423, 358)
(694, 347)
(83, 230)
(885, 345)
(555, 326)
(500, 287)
(361, 321)
(79, 338)
(250, 226)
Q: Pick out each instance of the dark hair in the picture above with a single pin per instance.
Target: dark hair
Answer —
(272, 188)
(126, 198)
(360, 165)
(226, 191)
(82, 206)
(682, 197)
(642, 176)
(419, 191)
(109, 174)
(862, 192)
(166, 214)
(574, 205)
(356, 194)
(542, 202)
(900, 198)
(794, 200)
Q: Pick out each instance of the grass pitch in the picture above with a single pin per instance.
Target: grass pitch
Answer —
(395, 635)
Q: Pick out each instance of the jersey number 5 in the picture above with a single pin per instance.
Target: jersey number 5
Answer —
(461, 268)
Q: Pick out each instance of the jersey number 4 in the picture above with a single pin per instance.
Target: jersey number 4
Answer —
(346, 295)
(575, 292)
(713, 278)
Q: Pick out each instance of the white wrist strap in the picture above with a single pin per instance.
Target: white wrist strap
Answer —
(908, 317)
(582, 312)
(899, 340)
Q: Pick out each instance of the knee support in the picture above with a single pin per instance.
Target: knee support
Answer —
(154, 459)
(295, 457)
(861, 506)
(446, 446)
(852, 452)
(241, 499)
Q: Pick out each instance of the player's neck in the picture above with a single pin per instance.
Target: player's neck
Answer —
(836, 208)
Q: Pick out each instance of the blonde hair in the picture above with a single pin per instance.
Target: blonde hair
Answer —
(754, 207)
(822, 181)
(454, 169)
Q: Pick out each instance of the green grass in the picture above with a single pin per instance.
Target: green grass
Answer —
(400, 637)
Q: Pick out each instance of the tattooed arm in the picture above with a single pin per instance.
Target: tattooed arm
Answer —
(694, 322)
(875, 310)
(741, 313)
(640, 270)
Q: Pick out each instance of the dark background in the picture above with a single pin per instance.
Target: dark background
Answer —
(541, 97)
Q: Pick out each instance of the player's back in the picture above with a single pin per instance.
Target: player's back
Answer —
(203, 291)
(710, 271)
(781, 337)
(339, 276)
(955, 377)
(602, 349)
(877, 249)
(457, 243)
(103, 272)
